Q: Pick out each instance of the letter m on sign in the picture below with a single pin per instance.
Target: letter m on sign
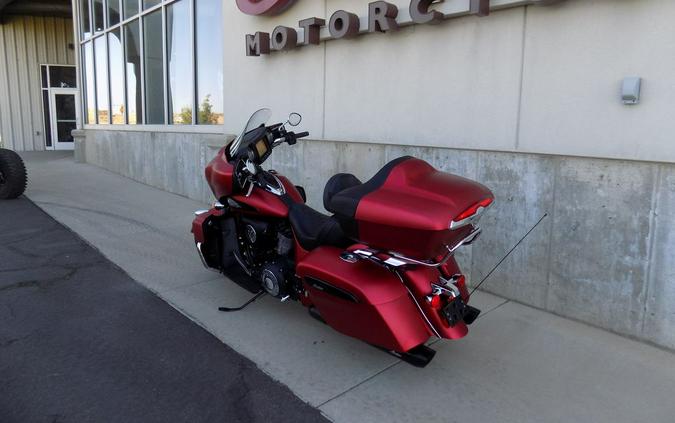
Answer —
(257, 44)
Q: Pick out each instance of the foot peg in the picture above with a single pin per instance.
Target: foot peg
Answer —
(243, 306)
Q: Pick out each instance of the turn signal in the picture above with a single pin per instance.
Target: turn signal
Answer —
(435, 301)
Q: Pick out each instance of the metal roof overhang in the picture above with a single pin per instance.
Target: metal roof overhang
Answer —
(57, 8)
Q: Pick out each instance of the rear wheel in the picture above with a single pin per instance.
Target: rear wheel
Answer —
(12, 175)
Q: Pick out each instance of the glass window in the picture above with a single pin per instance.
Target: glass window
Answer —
(98, 15)
(130, 8)
(116, 76)
(113, 12)
(43, 76)
(154, 68)
(102, 104)
(209, 36)
(132, 61)
(62, 77)
(85, 30)
(179, 41)
(177, 80)
(90, 88)
(147, 4)
(48, 123)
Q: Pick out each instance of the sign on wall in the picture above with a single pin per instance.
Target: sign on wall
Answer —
(381, 16)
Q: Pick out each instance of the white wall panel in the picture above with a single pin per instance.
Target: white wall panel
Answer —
(576, 55)
(455, 84)
(25, 43)
(286, 82)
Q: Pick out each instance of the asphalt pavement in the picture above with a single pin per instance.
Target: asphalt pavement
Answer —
(80, 341)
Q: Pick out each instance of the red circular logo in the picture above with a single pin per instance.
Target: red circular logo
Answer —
(263, 7)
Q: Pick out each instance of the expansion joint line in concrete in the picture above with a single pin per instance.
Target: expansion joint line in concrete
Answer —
(522, 78)
(369, 378)
(653, 226)
(359, 384)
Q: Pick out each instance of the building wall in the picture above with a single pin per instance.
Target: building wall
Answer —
(542, 79)
(526, 101)
(25, 43)
(603, 256)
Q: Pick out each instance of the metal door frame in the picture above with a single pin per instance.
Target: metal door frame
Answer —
(53, 92)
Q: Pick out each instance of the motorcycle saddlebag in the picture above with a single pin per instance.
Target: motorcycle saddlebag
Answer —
(362, 300)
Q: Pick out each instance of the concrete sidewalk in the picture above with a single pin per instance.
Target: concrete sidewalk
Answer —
(518, 364)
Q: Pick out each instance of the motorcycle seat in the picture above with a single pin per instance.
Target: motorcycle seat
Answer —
(313, 229)
(344, 191)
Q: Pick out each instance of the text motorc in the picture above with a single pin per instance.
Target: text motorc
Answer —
(382, 17)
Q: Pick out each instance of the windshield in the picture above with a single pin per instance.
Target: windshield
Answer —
(258, 118)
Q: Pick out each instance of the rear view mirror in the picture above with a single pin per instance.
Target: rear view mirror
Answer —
(294, 119)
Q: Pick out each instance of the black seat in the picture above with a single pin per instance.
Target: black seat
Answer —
(344, 191)
(314, 229)
(338, 183)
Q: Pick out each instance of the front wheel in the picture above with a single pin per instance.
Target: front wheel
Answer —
(12, 175)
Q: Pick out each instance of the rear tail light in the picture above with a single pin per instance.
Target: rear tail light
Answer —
(435, 301)
(470, 215)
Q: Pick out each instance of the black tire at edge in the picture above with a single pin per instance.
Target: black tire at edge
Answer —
(14, 172)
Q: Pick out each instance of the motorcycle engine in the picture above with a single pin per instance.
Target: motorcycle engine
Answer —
(267, 248)
(274, 280)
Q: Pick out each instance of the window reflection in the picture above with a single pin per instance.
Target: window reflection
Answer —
(154, 68)
(90, 99)
(133, 70)
(147, 4)
(98, 15)
(209, 36)
(101, 80)
(84, 19)
(178, 41)
(62, 77)
(130, 8)
(116, 76)
(113, 12)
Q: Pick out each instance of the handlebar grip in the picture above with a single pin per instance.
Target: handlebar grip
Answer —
(302, 135)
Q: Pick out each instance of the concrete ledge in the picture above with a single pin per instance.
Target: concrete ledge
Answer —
(604, 256)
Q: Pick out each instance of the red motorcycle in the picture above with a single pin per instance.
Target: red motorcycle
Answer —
(380, 269)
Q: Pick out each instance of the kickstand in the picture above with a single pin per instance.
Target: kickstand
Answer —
(243, 306)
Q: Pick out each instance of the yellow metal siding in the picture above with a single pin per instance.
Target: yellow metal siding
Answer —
(25, 43)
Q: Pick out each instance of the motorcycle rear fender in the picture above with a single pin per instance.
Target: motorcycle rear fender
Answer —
(362, 300)
(419, 279)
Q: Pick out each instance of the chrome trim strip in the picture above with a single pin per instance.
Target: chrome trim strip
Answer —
(394, 262)
(200, 212)
(426, 319)
(451, 251)
(448, 289)
(282, 188)
(241, 262)
(201, 257)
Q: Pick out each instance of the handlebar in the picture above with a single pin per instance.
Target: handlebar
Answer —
(291, 137)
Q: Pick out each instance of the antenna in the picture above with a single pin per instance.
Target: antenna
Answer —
(508, 254)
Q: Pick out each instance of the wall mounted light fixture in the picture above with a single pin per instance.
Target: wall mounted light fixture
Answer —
(630, 91)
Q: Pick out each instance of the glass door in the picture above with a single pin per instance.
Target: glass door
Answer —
(65, 116)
